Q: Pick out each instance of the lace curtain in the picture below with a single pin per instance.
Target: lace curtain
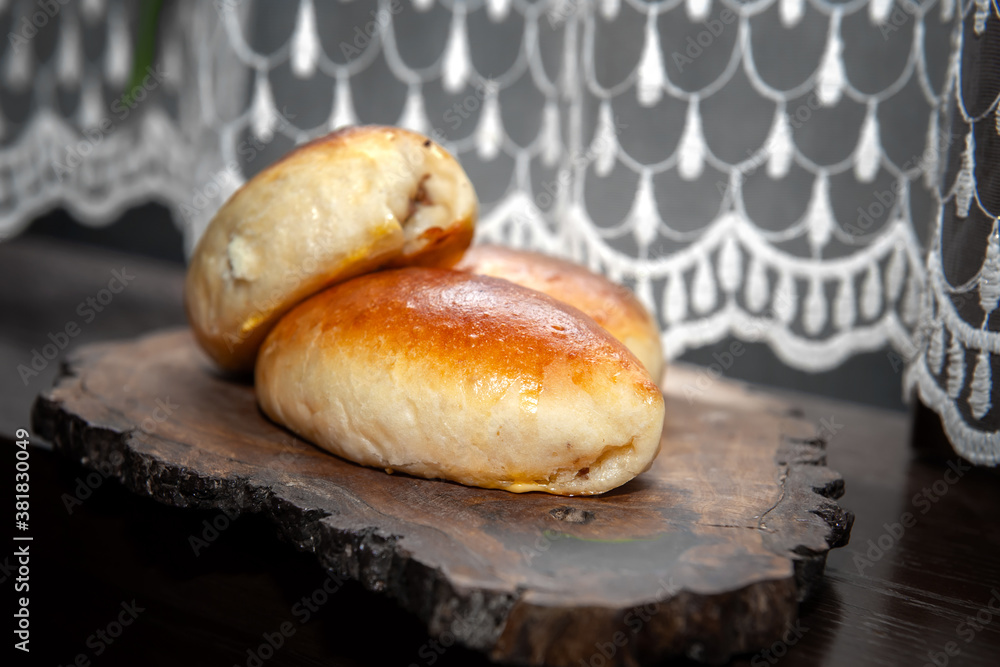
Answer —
(954, 356)
(768, 170)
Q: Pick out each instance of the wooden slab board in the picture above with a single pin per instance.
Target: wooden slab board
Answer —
(707, 554)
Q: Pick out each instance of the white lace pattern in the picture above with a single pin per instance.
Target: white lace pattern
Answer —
(764, 169)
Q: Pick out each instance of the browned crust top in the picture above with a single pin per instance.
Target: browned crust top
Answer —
(453, 318)
(331, 141)
(608, 303)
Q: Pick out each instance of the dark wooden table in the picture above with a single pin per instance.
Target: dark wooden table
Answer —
(915, 582)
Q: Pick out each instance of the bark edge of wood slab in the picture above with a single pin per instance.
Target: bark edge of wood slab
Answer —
(707, 554)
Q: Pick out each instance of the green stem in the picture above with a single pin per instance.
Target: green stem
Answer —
(145, 45)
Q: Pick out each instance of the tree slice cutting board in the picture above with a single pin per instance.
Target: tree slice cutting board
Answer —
(707, 554)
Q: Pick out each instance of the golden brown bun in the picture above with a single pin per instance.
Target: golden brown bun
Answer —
(612, 306)
(445, 374)
(347, 203)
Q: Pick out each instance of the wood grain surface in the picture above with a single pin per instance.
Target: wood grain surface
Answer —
(211, 604)
(706, 555)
